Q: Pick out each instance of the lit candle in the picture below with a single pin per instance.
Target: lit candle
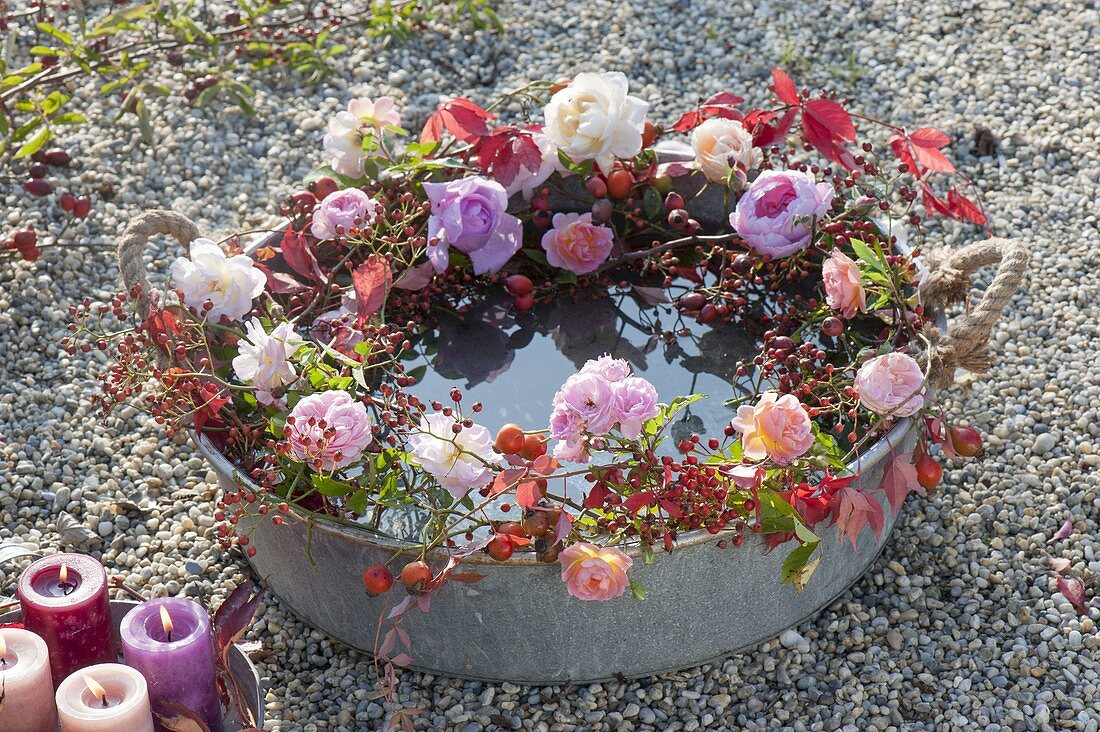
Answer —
(108, 697)
(25, 678)
(64, 600)
(169, 641)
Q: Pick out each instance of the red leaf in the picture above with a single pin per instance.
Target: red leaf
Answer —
(898, 478)
(722, 104)
(832, 117)
(637, 501)
(506, 480)
(823, 140)
(468, 578)
(784, 87)
(461, 117)
(416, 278)
(855, 511)
(597, 496)
(1073, 589)
(505, 152)
(933, 204)
(233, 617)
(926, 143)
(900, 145)
(688, 121)
(372, 281)
(963, 208)
(299, 255)
(528, 494)
(929, 137)
(672, 508)
(562, 527)
(764, 135)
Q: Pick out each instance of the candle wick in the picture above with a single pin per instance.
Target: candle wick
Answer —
(66, 588)
(3, 661)
(104, 700)
(169, 636)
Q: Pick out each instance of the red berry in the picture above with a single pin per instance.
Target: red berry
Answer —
(510, 439)
(511, 528)
(619, 183)
(649, 135)
(25, 239)
(323, 186)
(518, 284)
(678, 217)
(673, 201)
(708, 314)
(533, 447)
(57, 157)
(523, 303)
(500, 548)
(81, 207)
(596, 187)
(37, 187)
(601, 210)
(536, 523)
(415, 575)
(38, 170)
(966, 441)
(929, 471)
(694, 301)
(832, 327)
(377, 579)
(66, 201)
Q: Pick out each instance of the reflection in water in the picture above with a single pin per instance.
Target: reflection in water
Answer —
(514, 363)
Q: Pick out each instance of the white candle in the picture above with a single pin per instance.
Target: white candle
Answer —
(108, 697)
(28, 703)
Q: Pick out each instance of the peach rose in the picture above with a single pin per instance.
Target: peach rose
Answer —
(576, 244)
(722, 146)
(891, 384)
(593, 572)
(776, 427)
(843, 285)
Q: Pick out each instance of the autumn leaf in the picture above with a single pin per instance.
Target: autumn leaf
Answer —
(461, 117)
(722, 105)
(416, 278)
(831, 116)
(299, 255)
(638, 501)
(898, 478)
(372, 281)
(963, 208)
(528, 494)
(784, 87)
(597, 496)
(507, 151)
(856, 510)
(1073, 589)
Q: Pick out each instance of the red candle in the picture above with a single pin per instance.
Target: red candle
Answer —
(64, 600)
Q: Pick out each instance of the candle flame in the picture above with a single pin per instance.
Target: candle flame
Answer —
(63, 574)
(97, 691)
(166, 621)
(3, 647)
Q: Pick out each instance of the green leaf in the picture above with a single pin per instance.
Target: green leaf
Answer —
(799, 565)
(330, 486)
(55, 32)
(867, 256)
(357, 502)
(537, 255)
(120, 20)
(69, 118)
(33, 145)
(144, 122)
(636, 589)
(651, 202)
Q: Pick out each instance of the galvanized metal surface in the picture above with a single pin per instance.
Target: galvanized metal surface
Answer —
(241, 666)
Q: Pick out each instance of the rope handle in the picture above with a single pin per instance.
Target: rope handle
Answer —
(135, 237)
(966, 341)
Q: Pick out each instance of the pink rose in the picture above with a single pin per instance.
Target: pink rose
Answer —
(591, 398)
(592, 572)
(635, 403)
(328, 430)
(612, 369)
(776, 427)
(576, 244)
(776, 214)
(572, 451)
(470, 214)
(342, 209)
(891, 384)
(843, 285)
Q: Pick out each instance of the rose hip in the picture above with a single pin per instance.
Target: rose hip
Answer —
(377, 579)
(518, 284)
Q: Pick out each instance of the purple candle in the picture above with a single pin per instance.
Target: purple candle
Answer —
(64, 600)
(169, 642)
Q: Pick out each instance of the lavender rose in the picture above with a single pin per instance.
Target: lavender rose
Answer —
(341, 209)
(777, 212)
(470, 215)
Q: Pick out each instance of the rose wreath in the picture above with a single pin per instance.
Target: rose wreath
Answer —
(293, 356)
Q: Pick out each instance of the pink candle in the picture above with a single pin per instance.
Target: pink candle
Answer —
(28, 703)
(64, 600)
(108, 697)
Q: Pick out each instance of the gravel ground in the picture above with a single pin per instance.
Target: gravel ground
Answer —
(956, 627)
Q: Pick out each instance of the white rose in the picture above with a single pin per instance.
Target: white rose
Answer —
(343, 142)
(595, 119)
(458, 462)
(229, 282)
(721, 145)
(264, 359)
